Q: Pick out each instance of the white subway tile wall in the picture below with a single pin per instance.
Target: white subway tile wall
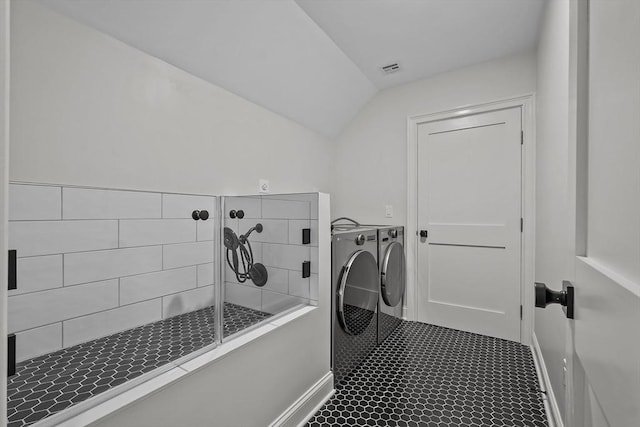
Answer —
(33, 203)
(185, 254)
(92, 262)
(147, 232)
(205, 274)
(273, 302)
(84, 267)
(32, 238)
(274, 231)
(36, 309)
(37, 341)
(278, 280)
(286, 256)
(205, 230)
(157, 284)
(182, 302)
(279, 247)
(286, 209)
(244, 295)
(86, 328)
(182, 205)
(88, 203)
(38, 273)
(298, 286)
(251, 206)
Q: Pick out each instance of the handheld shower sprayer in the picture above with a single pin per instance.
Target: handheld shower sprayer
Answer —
(248, 270)
(245, 237)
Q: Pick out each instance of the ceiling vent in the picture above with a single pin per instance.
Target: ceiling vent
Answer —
(391, 68)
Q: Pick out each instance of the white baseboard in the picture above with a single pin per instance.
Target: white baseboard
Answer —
(549, 398)
(308, 404)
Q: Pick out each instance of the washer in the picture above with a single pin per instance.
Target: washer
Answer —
(355, 293)
(392, 268)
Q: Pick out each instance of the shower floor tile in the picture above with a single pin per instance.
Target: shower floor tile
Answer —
(48, 384)
(428, 376)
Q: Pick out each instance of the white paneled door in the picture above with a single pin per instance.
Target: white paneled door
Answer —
(469, 220)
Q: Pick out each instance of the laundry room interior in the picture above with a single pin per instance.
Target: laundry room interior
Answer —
(320, 213)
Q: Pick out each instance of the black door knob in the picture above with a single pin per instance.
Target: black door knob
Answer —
(564, 297)
(424, 233)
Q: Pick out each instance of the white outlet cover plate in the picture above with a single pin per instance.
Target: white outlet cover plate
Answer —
(388, 211)
(263, 186)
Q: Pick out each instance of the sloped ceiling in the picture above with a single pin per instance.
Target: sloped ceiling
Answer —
(314, 61)
(425, 37)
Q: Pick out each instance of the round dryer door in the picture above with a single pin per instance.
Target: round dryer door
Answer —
(358, 292)
(392, 275)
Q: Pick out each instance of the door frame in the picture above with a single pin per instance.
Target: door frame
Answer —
(527, 103)
(4, 187)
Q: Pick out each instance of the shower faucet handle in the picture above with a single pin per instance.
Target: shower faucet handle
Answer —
(203, 215)
(236, 214)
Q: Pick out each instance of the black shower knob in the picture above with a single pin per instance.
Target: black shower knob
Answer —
(203, 215)
(236, 214)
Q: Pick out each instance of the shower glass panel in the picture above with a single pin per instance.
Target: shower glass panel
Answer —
(269, 254)
(111, 286)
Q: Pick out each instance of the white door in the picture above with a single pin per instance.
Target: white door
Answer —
(605, 334)
(469, 204)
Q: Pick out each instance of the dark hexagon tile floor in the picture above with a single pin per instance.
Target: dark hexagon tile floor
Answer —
(48, 384)
(428, 376)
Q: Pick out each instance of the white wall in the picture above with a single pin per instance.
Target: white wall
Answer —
(371, 156)
(553, 243)
(90, 110)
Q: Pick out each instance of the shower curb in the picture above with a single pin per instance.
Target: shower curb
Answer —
(308, 404)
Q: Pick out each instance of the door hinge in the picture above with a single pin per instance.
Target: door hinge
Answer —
(521, 225)
(306, 269)
(521, 312)
(521, 137)
(11, 355)
(306, 236)
(12, 269)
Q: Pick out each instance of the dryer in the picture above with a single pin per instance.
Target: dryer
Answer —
(355, 293)
(392, 270)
